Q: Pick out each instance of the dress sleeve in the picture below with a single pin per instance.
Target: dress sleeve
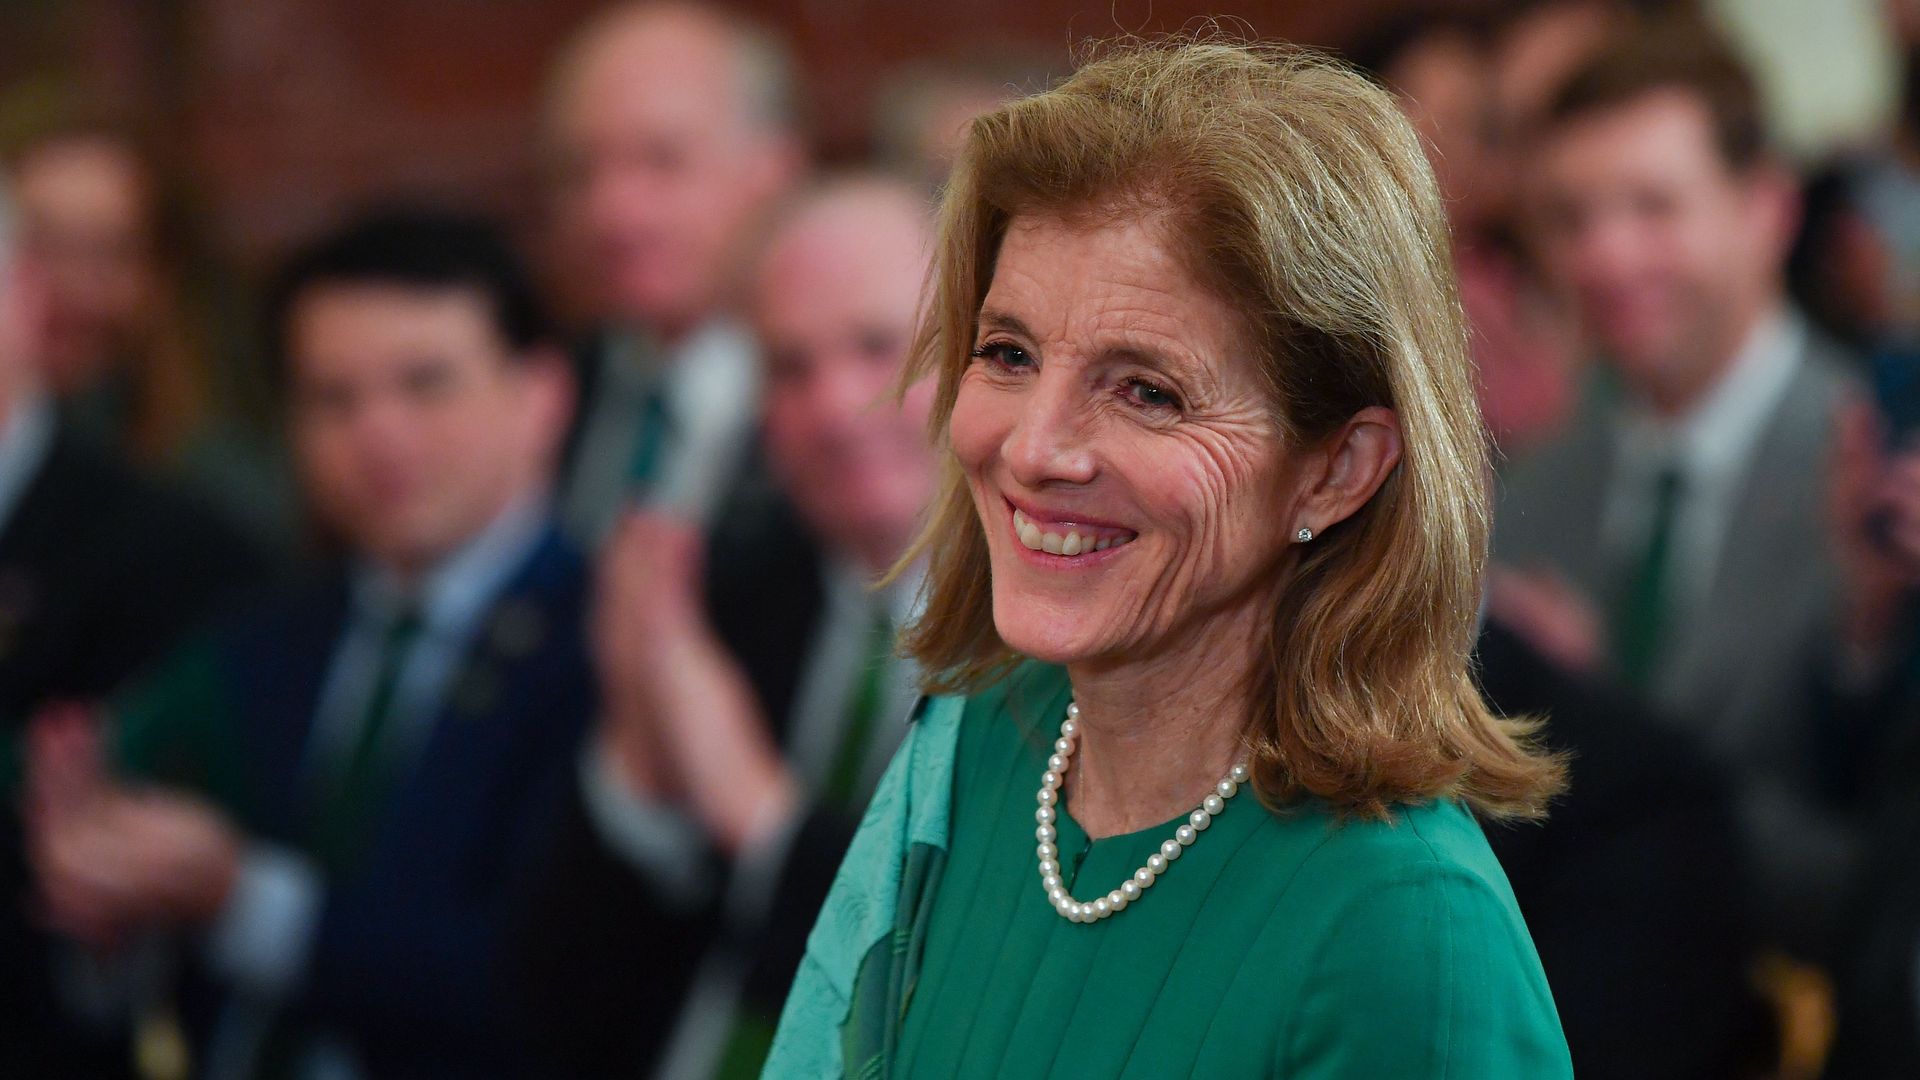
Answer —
(1428, 974)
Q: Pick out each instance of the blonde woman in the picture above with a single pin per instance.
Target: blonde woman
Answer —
(1199, 794)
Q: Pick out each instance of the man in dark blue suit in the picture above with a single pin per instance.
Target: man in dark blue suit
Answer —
(331, 803)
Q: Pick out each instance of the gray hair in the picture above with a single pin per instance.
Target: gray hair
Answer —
(764, 67)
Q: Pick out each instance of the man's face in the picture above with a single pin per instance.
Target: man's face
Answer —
(661, 170)
(84, 206)
(1668, 253)
(413, 424)
(834, 305)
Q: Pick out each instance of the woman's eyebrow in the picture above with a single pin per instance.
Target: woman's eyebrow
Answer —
(991, 319)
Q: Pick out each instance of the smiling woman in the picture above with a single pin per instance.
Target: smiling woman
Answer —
(1214, 518)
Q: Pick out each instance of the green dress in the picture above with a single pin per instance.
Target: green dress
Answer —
(1296, 945)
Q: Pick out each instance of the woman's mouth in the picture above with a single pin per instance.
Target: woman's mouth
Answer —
(1066, 539)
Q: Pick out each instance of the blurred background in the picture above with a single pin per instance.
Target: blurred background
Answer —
(368, 365)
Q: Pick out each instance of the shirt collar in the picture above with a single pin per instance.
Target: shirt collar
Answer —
(1718, 433)
(458, 588)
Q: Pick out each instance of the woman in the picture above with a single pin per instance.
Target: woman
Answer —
(1200, 797)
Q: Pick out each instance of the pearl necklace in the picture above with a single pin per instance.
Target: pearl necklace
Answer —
(1130, 890)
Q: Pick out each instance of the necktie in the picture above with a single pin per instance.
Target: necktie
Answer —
(843, 787)
(649, 444)
(359, 780)
(1640, 621)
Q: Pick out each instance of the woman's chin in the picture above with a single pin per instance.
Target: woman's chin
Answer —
(1060, 645)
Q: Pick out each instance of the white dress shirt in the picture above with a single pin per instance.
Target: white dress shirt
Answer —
(711, 387)
(1712, 447)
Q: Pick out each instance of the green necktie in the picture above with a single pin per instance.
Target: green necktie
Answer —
(359, 780)
(1639, 623)
(643, 467)
(843, 787)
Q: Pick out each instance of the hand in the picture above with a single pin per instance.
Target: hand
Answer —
(1550, 614)
(682, 719)
(108, 860)
(649, 602)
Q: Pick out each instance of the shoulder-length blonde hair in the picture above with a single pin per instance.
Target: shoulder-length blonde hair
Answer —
(1301, 195)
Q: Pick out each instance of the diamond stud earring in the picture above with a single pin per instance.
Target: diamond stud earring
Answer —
(1304, 535)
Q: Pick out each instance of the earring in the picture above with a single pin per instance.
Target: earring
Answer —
(1305, 534)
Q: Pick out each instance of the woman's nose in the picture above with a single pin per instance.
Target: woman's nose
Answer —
(1051, 440)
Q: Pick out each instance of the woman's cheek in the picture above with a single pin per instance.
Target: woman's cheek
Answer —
(975, 429)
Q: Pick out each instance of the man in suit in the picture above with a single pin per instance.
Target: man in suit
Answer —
(672, 130)
(746, 725)
(1678, 534)
(332, 798)
(101, 571)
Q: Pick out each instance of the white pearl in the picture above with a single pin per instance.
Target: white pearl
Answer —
(1046, 834)
(1046, 851)
(1049, 868)
(1186, 834)
(1049, 779)
(1063, 746)
(1083, 912)
(1102, 909)
(1157, 863)
(1130, 889)
(1171, 849)
(1070, 729)
(1052, 883)
(1199, 819)
(1044, 815)
(1073, 709)
(1143, 877)
(1056, 764)
(1239, 773)
(1227, 788)
(1118, 899)
(1048, 796)
(1212, 804)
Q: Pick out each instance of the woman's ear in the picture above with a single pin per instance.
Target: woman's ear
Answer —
(1347, 468)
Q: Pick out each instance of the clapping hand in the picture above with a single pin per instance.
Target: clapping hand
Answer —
(110, 860)
(682, 719)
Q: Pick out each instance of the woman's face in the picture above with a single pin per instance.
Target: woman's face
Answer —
(1121, 449)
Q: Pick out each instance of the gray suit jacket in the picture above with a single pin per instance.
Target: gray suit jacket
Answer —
(1741, 667)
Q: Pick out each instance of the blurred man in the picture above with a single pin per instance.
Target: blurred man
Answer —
(126, 359)
(101, 572)
(1680, 534)
(671, 128)
(335, 794)
(745, 733)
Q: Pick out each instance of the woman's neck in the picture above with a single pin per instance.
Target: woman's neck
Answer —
(1157, 734)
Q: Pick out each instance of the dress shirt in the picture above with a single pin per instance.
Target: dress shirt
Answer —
(711, 385)
(1712, 446)
(261, 939)
(26, 435)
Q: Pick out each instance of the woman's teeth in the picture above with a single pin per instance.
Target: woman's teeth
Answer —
(1071, 542)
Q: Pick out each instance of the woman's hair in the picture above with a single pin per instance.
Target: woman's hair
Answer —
(1298, 193)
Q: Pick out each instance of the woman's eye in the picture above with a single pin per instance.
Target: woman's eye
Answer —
(1150, 395)
(1001, 355)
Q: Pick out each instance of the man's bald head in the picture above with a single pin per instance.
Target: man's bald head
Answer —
(835, 298)
(671, 127)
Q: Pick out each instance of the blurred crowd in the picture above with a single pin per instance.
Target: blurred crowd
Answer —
(457, 693)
